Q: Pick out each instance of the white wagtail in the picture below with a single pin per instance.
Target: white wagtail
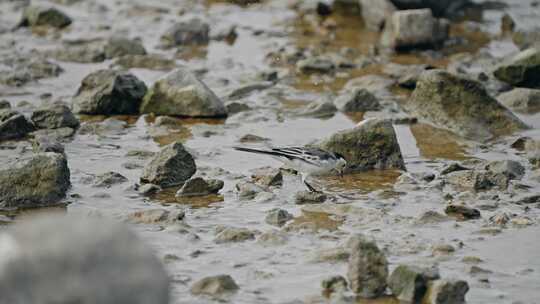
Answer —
(306, 160)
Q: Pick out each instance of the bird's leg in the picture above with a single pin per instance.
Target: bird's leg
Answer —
(310, 187)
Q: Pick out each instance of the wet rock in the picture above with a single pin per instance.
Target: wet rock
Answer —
(268, 176)
(309, 197)
(39, 180)
(156, 216)
(119, 46)
(334, 284)
(84, 53)
(13, 125)
(100, 261)
(477, 180)
(376, 12)
(247, 89)
(172, 166)
(446, 292)
(438, 7)
(236, 107)
(278, 217)
(22, 69)
(53, 117)
(414, 28)
(443, 249)
(521, 70)
(321, 108)
(357, 100)
(368, 268)
(200, 187)
(181, 93)
(214, 285)
(233, 234)
(191, 32)
(273, 238)
(408, 283)
(151, 62)
(47, 144)
(454, 167)
(149, 189)
(521, 99)
(509, 168)
(109, 92)
(44, 16)
(462, 212)
(375, 84)
(315, 65)
(461, 105)
(431, 217)
(109, 179)
(59, 134)
(248, 190)
(5, 105)
(370, 145)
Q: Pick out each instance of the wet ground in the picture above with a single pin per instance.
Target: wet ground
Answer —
(369, 202)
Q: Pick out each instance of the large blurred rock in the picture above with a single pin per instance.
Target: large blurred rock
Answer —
(375, 13)
(13, 125)
(438, 7)
(57, 259)
(414, 28)
(521, 70)
(172, 166)
(44, 16)
(53, 117)
(109, 92)
(40, 180)
(371, 145)
(181, 93)
(409, 283)
(368, 268)
(461, 105)
(190, 32)
(446, 292)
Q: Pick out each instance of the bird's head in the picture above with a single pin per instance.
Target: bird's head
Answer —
(341, 164)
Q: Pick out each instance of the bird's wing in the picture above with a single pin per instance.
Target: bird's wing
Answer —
(289, 153)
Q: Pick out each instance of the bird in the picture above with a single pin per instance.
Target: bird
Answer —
(307, 161)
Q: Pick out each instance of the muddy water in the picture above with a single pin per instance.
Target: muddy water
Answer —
(368, 202)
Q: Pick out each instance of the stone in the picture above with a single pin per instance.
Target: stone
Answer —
(278, 217)
(462, 212)
(53, 117)
(119, 46)
(334, 284)
(477, 180)
(89, 52)
(47, 144)
(149, 189)
(273, 238)
(59, 134)
(200, 187)
(109, 179)
(431, 217)
(22, 69)
(446, 292)
(101, 262)
(236, 107)
(191, 32)
(521, 100)
(448, 8)
(234, 235)
(44, 16)
(14, 125)
(527, 39)
(315, 65)
(181, 93)
(214, 285)
(320, 108)
(414, 29)
(408, 283)
(109, 92)
(376, 84)
(454, 167)
(248, 190)
(5, 105)
(247, 89)
(172, 166)
(509, 168)
(268, 177)
(357, 100)
(376, 12)
(462, 106)
(156, 62)
(156, 216)
(309, 197)
(368, 268)
(39, 180)
(372, 144)
(521, 70)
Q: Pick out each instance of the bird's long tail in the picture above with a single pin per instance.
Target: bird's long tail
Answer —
(259, 151)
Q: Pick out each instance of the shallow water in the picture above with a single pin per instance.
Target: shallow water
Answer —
(367, 203)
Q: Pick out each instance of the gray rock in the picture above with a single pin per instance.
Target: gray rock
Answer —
(190, 32)
(236, 107)
(151, 62)
(156, 216)
(233, 235)
(308, 197)
(510, 168)
(521, 70)
(109, 92)
(39, 180)
(101, 262)
(200, 187)
(414, 28)
(22, 69)
(44, 16)
(477, 180)
(118, 46)
(59, 134)
(13, 125)
(408, 283)
(47, 144)
(149, 189)
(368, 268)
(315, 65)
(462, 212)
(214, 285)
(371, 145)
(431, 217)
(90, 52)
(5, 105)
(172, 166)
(521, 99)
(446, 292)
(268, 176)
(321, 108)
(53, 117)
(375, 84)
(109, 179)
(181, 93)
(334, 284)
(248, 190)
(247, 89)
(461, 105)
(358, 100)
(278, 217)
(454, 167)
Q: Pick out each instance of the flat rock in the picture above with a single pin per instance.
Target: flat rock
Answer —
(278, 217)
(120, 46)
(309, 197)
(44, 16)
(14, 125)
(233, 235)
(214, 285)
(200, 187)
(53, 117)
